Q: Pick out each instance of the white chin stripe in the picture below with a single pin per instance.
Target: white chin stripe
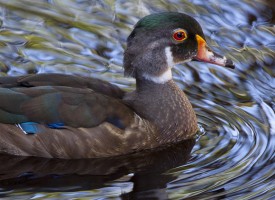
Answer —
(169, 57)
(163, 78)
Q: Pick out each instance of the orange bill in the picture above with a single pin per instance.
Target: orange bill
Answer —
(205, 54)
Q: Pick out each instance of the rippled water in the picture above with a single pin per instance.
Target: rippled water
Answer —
(232, 158)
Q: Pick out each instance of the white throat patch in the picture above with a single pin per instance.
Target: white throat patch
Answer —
(169, 57)
(161, 79)
(167, 75)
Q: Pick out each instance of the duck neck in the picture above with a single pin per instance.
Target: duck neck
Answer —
(166, 106)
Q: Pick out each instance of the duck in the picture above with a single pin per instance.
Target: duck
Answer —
(75, 117)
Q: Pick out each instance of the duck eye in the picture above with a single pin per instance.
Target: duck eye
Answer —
(179, 35)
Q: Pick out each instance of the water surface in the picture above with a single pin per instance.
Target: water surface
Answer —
(232, 157)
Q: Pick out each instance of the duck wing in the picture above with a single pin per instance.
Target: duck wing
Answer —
(34, 80)
(54, 99)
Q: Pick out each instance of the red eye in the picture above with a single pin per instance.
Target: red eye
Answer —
(179, 35)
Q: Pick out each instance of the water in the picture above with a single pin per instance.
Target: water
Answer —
(232, 158)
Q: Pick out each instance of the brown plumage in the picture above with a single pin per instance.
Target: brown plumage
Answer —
(104, 138)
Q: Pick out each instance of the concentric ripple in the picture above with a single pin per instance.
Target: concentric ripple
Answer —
(233, 159)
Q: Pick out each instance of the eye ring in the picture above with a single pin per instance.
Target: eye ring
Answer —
(179, 35)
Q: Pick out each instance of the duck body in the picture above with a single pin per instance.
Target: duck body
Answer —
(100, 125)
(63, 116)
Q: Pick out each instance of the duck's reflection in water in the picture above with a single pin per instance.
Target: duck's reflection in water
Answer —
(50, 175)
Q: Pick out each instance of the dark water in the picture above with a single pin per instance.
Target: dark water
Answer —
(232, 158)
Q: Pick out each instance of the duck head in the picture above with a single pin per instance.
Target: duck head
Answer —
(159, 41)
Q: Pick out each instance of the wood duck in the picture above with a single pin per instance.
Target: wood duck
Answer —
(72, 117)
